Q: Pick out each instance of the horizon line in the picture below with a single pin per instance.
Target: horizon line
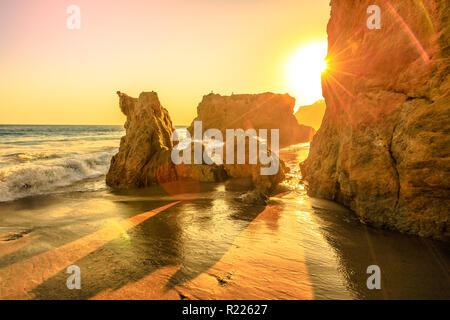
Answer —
(43, 124)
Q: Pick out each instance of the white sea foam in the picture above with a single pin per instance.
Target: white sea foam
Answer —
(44, 159)
(40, 177)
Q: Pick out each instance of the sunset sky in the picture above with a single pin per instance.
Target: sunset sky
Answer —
(180, 49)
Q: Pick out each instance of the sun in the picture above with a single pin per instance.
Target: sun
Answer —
(304, 70)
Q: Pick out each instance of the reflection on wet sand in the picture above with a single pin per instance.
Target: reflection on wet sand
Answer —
(258, 265)
(411, 267)
(20, 278)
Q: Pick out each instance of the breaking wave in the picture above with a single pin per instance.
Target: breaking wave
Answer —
(42, 177)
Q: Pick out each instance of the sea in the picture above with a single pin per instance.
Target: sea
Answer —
(42, 159)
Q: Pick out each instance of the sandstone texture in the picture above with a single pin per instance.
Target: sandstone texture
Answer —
(383, 148)
(144, 156)
(258, 111)
(311, 115)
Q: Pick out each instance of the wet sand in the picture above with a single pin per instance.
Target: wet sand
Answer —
(151, 244)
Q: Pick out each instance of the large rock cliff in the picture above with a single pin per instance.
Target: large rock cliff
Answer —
(383, 148)
(259, 111)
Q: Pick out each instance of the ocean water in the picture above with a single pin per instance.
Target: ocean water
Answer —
(41, 159)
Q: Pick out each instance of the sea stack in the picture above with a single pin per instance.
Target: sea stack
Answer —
(144, 154)
(383, 149)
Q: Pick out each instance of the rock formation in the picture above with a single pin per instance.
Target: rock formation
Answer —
(383, 148)
(311, 115)
(258, 111)
(144, 156)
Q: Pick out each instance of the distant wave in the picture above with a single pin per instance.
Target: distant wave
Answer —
(24, 156)
(44, 177)
(33, 140)
(36, 156)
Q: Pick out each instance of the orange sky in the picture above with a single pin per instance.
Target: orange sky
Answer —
(181, 49)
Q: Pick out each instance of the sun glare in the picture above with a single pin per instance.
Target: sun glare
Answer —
(304, 71)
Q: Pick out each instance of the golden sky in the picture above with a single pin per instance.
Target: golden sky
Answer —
(180, 49)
